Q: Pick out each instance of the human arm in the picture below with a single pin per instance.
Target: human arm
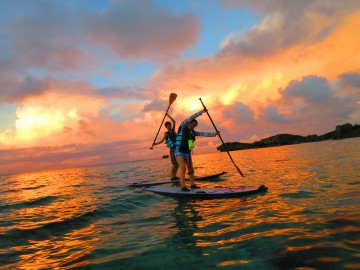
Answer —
(162, 140)
(172, 120)
(188, 120)
(206, 134)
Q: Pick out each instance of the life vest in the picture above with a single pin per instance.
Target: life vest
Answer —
(183, 137)
(170, 140)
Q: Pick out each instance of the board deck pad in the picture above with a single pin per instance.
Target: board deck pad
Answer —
(156, 183)
(207, 193)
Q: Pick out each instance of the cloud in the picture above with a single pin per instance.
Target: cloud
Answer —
(272, 115)
(43, 34)
(317, 93)
(15, 86)
(351, 79)
(315, 103)
(155, 105)
(310, 105)
(61, 118)
(70, 155)
(39, 120)
(141, 29)
(55, 47)
(62, 36)
(293, 40)
(240, 112)
(313, 89)
(124, 92)
(289, 23)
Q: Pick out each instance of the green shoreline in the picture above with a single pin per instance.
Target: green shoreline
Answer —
(341, 132)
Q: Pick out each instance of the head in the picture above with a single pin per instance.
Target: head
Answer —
(192, 124)
(168, 125)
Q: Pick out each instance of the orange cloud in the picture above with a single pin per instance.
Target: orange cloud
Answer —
(38, 119)
(231, 75)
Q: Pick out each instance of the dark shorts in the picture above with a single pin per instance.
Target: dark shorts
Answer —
(172, 156)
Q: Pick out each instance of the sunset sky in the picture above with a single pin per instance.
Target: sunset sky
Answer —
(87, 82)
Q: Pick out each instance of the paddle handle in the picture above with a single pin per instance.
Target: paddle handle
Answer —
(222, 140)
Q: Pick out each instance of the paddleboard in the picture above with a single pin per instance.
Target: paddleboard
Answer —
(207, 193)
(201, 178)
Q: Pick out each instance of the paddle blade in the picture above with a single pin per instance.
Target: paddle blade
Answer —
(172, 98)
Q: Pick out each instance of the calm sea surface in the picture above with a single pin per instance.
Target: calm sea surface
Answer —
(88, 218)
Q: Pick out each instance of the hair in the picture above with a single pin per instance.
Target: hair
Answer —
(194, 121)
(167, 123)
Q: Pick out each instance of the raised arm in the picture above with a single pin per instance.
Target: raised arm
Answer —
(188, 120)
(173, 121)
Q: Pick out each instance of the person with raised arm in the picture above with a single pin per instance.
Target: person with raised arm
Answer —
(169, 138)
(185, 144)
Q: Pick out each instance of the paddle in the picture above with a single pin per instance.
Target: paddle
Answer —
(222, 140)
(172, 98)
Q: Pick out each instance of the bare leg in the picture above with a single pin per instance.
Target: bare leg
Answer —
(174, 169)
(181, 163)
(190, 167)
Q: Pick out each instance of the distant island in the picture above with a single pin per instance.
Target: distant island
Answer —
(341, 132)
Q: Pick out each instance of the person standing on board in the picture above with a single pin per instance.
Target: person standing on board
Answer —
(169, 138)
(185, 144)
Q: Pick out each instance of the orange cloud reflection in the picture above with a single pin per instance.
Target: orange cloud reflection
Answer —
(54, 219)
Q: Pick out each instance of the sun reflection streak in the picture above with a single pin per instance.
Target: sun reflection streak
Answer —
(61, 251)
(234, 262)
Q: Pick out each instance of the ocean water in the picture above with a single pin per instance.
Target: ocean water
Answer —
(89, 218)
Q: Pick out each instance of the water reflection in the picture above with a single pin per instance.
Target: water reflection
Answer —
(57, 251)
(185, 220)
(47, 197)
(47, 219)
(211, 226)
(90, 218)
(304, 202)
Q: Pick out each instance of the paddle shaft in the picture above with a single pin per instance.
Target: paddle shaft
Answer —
(221, 139)
(172, 98)
(161, 125)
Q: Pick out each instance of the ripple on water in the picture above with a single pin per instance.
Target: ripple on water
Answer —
(89, 218)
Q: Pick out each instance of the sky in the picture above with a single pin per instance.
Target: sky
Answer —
(88, 82)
